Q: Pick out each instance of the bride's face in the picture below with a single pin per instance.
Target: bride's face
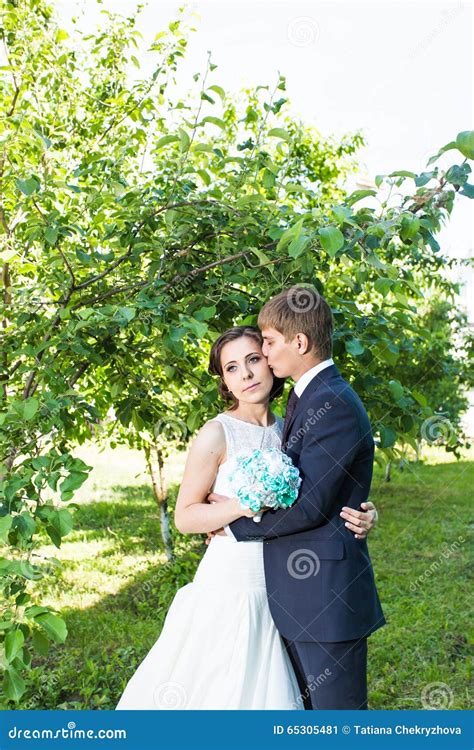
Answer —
(245, 370)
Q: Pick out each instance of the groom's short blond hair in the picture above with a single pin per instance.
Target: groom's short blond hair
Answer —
(300, 309)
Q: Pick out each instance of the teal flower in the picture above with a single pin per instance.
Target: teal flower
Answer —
(264, 478)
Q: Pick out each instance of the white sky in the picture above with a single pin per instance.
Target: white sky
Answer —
(399, 71)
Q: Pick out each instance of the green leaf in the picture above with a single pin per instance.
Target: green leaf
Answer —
(193, 420)
(40, 643)
(13, 644)
(200, 329)
(61, 35)
(423, 178)
(343, 215)
(83, 257)
(403, 173)
(332, 239)
(51, 234)
(290, 234)
(164, 140)
(30, 407)
(383, 285)
(386, 354)
(13, 685)
(422, 400)
(465, 143)
(448, 147)
(409, 227)
(458, 174)
(35, 610)
(219, 90)
(127, 312)
(468, 190)
(357, 195)
(205, 313)
(374, 260)
(280, 133)
(263, 259)
(28, 186)
(184, 139)
(72, 482)
(355, 347)
(53, 625)
(60, 523)
(296, 246)
(204, 147)
(5, 526)
(268, 180)
(214, 121)
(25, 524)
(388, 436)
(205, 177)
(396, 389)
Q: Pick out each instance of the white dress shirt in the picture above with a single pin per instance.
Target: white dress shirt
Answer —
(307, 376)
(299, 387)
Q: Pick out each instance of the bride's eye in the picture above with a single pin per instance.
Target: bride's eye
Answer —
(255, 359)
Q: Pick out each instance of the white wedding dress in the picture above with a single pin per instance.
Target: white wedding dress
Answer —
(219, 647)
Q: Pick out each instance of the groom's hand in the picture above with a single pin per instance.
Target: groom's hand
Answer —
(214, 497)
(360, 522)
(211, 534)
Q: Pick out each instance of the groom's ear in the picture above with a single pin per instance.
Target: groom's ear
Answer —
(302, 343)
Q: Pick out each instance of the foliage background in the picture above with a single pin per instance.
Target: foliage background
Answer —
(137, 225)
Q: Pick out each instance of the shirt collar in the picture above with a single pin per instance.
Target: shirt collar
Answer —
(307, 376)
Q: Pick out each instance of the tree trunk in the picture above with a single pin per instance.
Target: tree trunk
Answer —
(160, 494)
(388, 470)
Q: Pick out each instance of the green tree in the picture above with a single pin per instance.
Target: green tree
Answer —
(137, 225)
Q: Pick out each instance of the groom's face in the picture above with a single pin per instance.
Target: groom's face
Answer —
(282, 356)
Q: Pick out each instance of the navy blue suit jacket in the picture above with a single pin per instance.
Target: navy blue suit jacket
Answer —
(319, 578)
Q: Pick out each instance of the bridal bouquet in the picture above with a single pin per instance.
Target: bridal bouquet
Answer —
(264, 478)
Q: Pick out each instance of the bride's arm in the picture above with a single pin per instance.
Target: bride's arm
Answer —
(193, 514)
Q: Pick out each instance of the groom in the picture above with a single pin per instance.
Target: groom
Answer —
(319, 577)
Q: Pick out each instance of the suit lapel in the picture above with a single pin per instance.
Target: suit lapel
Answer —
(313, 385)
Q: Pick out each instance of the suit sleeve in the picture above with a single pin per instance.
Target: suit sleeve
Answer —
(328, 450)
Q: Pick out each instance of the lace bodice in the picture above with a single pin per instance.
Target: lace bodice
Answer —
(240, 435)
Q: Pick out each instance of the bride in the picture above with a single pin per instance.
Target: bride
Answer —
(219, 647)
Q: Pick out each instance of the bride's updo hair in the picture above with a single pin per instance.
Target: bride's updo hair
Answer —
(215, 366)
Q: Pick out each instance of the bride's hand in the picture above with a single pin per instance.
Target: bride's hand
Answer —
(246, 512)
(214, 497)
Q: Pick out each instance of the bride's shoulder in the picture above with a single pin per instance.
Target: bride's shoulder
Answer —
(212, 434)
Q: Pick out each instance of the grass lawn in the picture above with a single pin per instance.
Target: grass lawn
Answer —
(115, 585)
